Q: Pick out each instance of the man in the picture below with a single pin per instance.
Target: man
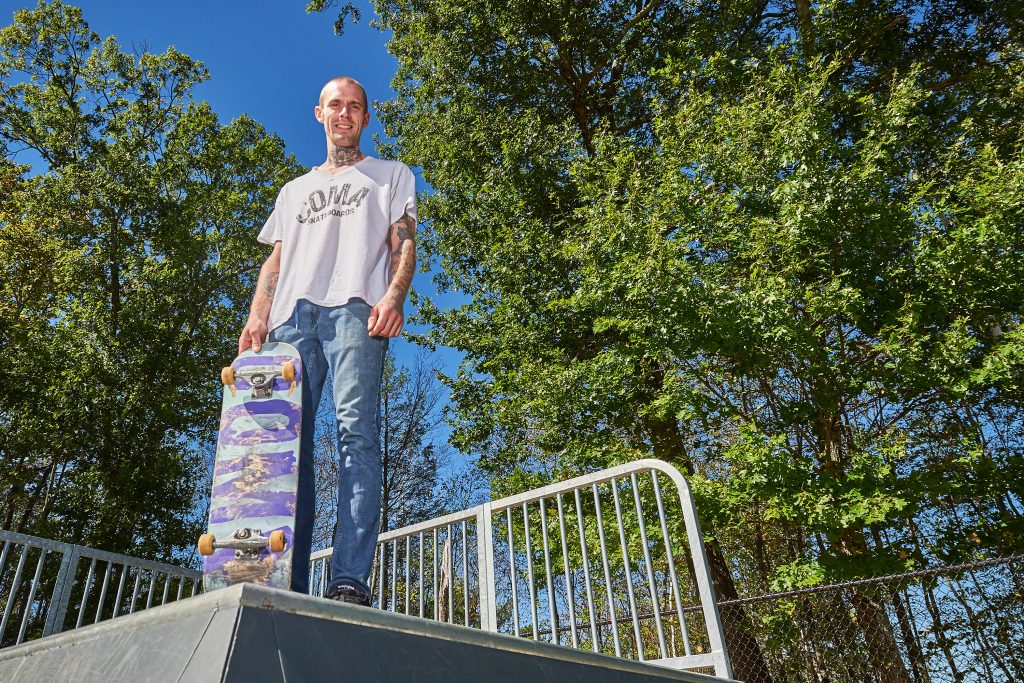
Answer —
(343, 258)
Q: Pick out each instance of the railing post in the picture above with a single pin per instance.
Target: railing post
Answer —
(62, 591)
(705, 589)
(485, 568)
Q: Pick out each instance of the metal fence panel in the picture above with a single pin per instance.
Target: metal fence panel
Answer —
(587, 563)
(47, 586)
(592, 563)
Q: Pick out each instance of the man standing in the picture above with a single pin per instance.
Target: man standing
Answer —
(343, 258)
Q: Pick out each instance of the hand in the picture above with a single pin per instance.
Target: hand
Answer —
(386, 318)
(253, 334)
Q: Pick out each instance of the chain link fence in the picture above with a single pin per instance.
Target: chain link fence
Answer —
(945, 624)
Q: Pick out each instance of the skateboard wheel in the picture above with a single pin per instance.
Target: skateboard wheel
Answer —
(227, 376)
(206, 544)
(277, 541)
(288, 371)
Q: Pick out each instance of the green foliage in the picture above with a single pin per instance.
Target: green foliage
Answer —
(348, 12)
(778, 248)
(128, 258)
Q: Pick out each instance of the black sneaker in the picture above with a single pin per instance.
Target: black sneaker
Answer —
(349, 594)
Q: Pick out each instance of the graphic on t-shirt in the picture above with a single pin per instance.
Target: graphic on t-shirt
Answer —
(320, 203)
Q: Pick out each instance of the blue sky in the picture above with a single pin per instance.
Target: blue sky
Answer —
(267, 59)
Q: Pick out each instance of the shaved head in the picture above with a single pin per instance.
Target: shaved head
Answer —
(344, 79)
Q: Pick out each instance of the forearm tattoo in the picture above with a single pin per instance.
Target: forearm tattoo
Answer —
(268, 285)
(403, 256)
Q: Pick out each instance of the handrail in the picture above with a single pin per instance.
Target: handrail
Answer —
(60, 579)
(430, 563)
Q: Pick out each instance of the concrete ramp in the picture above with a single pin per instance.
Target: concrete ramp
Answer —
(249, 634)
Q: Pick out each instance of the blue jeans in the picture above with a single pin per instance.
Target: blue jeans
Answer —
(335, 338)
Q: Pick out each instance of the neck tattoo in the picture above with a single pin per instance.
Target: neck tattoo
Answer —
(339, 157)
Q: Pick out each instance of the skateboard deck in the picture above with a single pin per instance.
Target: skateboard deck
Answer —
(256, 471)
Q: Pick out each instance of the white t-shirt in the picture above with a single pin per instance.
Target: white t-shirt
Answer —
(333, 229)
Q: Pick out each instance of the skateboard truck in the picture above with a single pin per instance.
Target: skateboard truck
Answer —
(245, 541)
(262, 384)
(260, 377)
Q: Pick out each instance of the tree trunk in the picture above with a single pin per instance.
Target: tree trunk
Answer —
(939, 629)
(30, 515)
(803, 11)
(883, 650)
(9, 502)
(882, 647)
(910, 641)
(748, 661)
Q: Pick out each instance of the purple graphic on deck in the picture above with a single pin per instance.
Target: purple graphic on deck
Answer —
(278, 463)
(257, 504)
(257, 469)
(260, 421)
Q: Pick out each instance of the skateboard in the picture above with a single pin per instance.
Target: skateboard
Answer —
(256, 472)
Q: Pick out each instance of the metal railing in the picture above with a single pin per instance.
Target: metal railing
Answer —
(71, 585)
(588, 563)
(596, 562)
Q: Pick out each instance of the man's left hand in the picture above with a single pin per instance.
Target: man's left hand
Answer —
(386, 319)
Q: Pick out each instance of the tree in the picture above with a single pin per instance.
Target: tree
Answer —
(410, 415)
(128, 257)
(775, 244)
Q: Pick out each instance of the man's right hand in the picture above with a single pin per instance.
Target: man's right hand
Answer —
(253, 335)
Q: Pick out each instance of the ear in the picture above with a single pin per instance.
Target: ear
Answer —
(318, 113)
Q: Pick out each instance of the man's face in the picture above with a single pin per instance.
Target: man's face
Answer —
(342, 113)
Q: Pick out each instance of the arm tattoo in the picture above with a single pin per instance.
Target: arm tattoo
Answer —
(268, 285)
(403, 256)
(405, 228)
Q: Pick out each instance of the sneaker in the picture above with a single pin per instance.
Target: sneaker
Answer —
(349, 594)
